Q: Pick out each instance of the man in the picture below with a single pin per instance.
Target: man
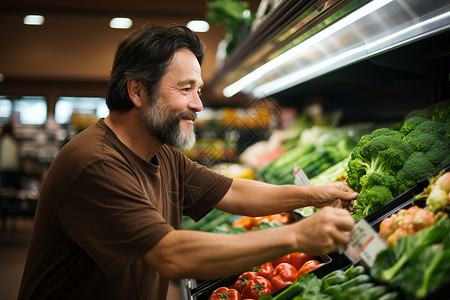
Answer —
(108, 219)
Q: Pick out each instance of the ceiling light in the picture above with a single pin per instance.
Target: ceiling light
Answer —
(298, 50)
(198, 26)
(33, 20)
(120, 23)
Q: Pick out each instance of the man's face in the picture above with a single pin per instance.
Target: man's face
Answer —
(171, 116)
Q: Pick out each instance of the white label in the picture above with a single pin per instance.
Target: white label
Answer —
(364, 244)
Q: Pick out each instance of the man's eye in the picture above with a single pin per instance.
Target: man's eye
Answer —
(199, 92)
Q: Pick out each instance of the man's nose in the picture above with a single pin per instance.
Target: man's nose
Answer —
(196, 103)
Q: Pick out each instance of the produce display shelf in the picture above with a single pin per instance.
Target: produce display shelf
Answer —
(201, 290)
(204, 289)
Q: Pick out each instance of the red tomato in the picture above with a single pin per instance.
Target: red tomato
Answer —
(257, 287)
(265, 270)
(283, 275)
(298, 259)
(225, 293)
(309, 266)
(284, 259)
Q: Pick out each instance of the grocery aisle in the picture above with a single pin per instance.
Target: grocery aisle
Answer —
(13, 251)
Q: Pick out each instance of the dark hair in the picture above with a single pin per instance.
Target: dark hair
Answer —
(144, 55)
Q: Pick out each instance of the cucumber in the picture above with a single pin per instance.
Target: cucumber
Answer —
(354, 271)
(374, 293)
(357, 290)
(335, 279)
(363, 278)
(390, 296)
(293, 290)
(332, 290)
(332, 274)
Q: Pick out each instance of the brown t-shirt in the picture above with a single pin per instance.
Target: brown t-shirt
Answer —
(101, 208)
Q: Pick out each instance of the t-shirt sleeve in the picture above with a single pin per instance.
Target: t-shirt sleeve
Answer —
(204, 188)
(106, 214)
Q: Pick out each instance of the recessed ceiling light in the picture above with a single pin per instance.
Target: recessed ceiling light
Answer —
(198, 26)
(33, 20)
(120, 23)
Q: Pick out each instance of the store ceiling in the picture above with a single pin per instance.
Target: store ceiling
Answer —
(75, 46)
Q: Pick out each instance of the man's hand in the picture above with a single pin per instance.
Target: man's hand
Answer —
(336, 194)
(324, 232)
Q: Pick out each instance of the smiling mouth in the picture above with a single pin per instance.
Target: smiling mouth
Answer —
(188, 115)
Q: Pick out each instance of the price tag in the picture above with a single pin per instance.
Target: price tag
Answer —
(364, 244)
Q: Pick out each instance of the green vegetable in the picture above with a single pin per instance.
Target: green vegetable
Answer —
(229, 13)
(363, 278)
(390, 296)
(314, 157)
(336, 277)
(225, 228)
(424, 261)
(213, 219)
(376, 292)
(332, 290)
(397, 159)
(354, 271)
(293, 290)
(311, 288)
(333, 274)
(373, 198)
(358, 289)
(265, 225)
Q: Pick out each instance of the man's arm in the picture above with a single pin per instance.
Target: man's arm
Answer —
(254, 198)
(202, 255)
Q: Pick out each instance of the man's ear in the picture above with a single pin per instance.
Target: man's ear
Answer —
(135, 92)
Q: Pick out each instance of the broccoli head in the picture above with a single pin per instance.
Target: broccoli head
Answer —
(372, 199)
(442, 114)
(384, 152)
(404, 183)
(387, 132)
(438, 153)
(411, 123)
(417, 167)
(372, 179)
(433, 127)
(421, 141)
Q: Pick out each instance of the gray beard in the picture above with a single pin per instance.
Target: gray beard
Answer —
(165, 125)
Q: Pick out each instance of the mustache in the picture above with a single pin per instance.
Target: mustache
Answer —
(188, 114)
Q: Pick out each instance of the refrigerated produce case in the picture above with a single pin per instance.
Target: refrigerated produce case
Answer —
(374, 60)
(373, 65)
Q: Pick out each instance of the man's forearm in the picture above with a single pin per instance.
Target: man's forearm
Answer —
(254, 198)
(203, 255)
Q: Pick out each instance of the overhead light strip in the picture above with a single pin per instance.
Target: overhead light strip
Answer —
(297, 50)
(337, 61)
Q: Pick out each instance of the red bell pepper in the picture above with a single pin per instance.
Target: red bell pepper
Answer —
(309, 266)
(283, 259)
(225, 293)
(298, 259)
(243, 279)
(283, 275)
(257, 287)
(265, 270)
